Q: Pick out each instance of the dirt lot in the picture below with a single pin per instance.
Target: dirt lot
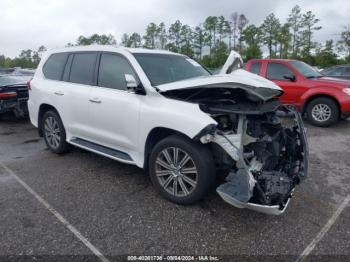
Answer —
(114, 207)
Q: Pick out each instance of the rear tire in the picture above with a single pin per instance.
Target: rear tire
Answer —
(322, 112)
(181, 170)
(54, 133)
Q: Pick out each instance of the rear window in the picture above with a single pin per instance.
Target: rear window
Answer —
(255, 68)
(54, 66)
(82, 69)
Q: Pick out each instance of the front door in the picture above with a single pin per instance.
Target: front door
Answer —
(114, 111)
(278, 73)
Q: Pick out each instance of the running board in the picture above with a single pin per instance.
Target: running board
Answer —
(102, 150)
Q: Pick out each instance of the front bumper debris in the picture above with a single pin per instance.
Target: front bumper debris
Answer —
(236, 190)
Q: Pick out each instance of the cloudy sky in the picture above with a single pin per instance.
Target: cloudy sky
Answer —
(28, 24)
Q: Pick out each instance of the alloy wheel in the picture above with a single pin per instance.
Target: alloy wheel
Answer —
(321, 112)
(176, 172)
(52, 132)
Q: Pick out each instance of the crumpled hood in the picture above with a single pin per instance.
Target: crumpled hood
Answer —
(239, 78)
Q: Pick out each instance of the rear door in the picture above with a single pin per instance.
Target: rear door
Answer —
(79, 76)
(114, 111)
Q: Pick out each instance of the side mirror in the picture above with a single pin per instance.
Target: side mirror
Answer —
(131, 83)
(133, 86)
(290, 77)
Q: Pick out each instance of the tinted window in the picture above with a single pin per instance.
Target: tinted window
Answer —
(335, 71)
(255, 68)
(112, 71)
(347, 71)
(82, 70)
(277, 71)
(54, 66)
(163, 68)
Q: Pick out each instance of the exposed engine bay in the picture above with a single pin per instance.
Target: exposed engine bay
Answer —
(260, 145)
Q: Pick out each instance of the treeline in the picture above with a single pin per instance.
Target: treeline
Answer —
(26, 59)
(211, 41)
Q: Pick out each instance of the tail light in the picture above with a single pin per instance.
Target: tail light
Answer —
(29, 85)
(7, 95)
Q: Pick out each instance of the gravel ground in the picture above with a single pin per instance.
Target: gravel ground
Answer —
(114, 206)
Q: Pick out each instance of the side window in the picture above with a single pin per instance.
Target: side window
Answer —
(255, 68)
(347, 71)
(82, 69)
(53, 68)
(277, 71)
(338, 71)
(112, 71)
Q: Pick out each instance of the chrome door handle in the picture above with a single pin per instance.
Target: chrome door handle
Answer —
(59, 93)
(95, 100)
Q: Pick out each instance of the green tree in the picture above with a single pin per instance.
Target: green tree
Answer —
(252, 36)
(175, 36)
(326, 56)
(162, 35)
(210, 25)
(344, 42)
(186, 35)
(150, 36)
(125, 41)
(96, 39)
(200, 38)
(295, 20)
(283, 38)
(223, 28)
(309, 25)
(234, 28)
(2, 60)
(270, 28)
(242, 22)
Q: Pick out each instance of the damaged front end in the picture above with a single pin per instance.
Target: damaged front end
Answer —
(270, 154)
(261, 145)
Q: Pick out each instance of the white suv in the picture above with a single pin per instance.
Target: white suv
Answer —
(167, 114)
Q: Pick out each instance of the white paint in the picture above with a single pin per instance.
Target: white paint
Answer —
(324, 230)
(57, 215)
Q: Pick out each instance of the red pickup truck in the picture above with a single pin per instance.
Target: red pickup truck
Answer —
(324, 100)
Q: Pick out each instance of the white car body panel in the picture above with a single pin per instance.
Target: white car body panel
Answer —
(134, 116)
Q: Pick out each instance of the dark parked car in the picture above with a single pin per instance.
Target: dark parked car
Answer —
(339, 71)
(14, 94)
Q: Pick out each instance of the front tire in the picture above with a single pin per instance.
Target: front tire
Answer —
(322, 112)
(54, 133)
(181, 170)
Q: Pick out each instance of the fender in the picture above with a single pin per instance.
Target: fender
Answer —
(319, 91)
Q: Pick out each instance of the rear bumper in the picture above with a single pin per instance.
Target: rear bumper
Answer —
(18, 106)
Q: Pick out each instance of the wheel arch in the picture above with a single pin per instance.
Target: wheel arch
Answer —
(312, 97)
(155, 135)
(42, 110)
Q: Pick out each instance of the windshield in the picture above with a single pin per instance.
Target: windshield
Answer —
(163, 68)
(304, 69)
(14, 79)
